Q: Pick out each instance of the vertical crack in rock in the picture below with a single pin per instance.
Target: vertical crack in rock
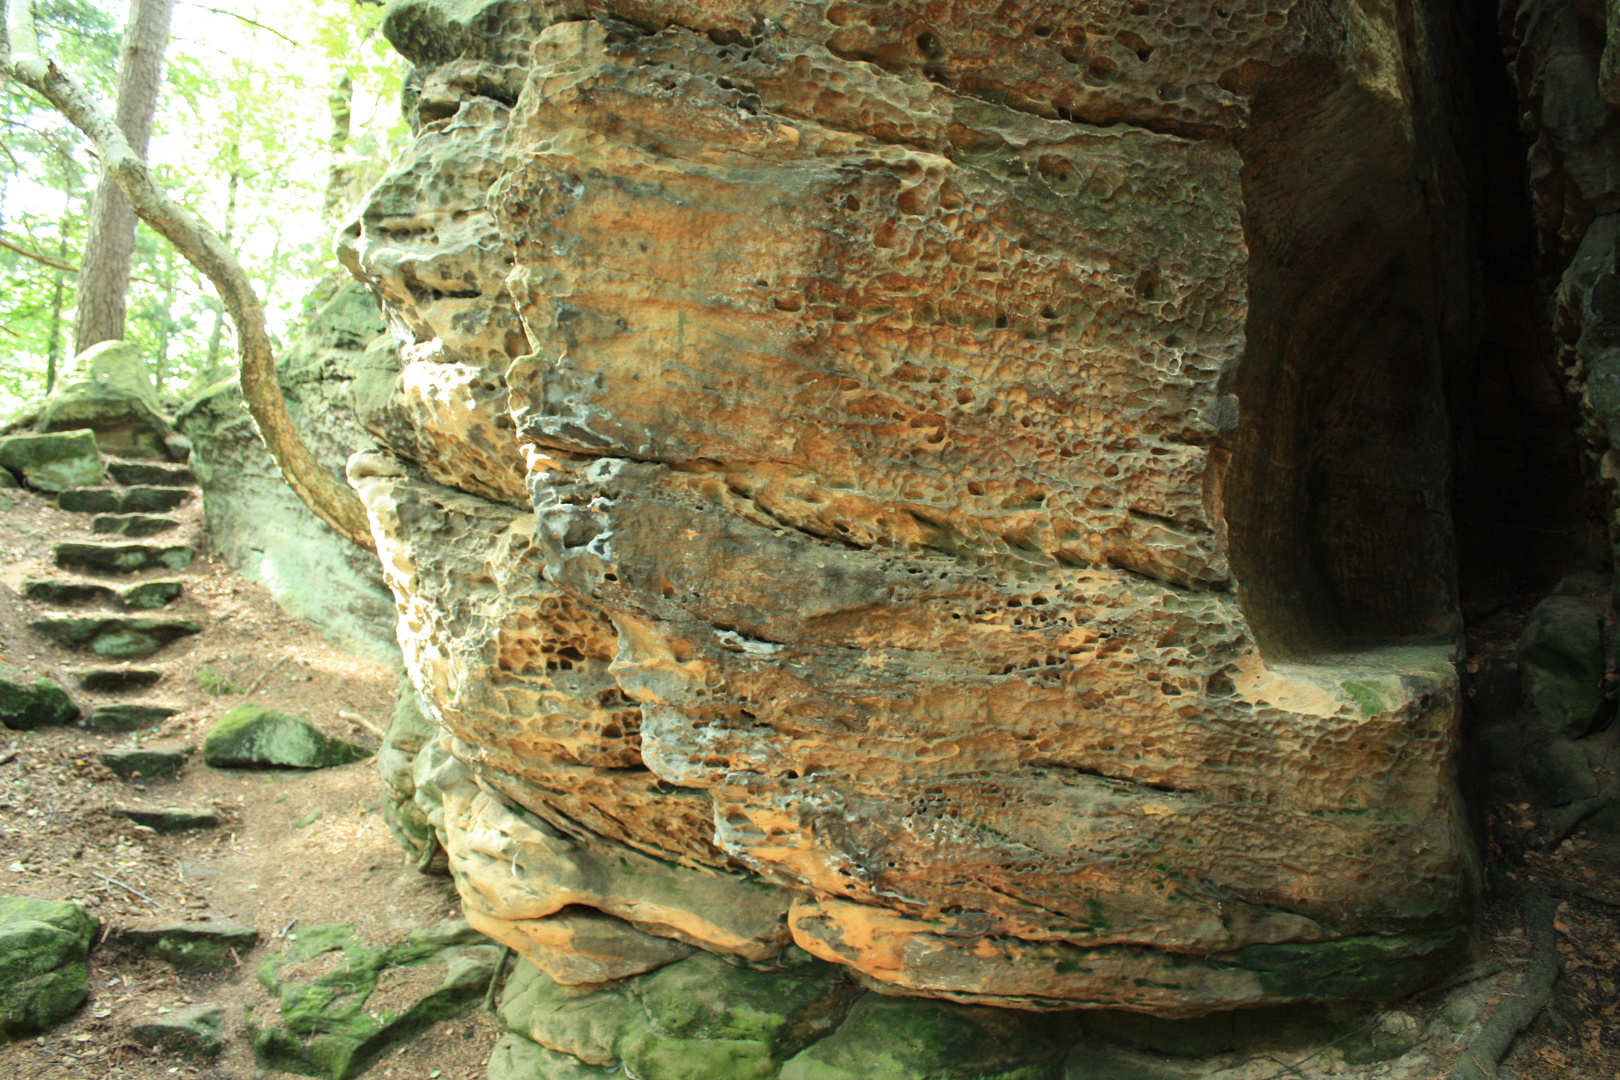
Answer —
(964, 492)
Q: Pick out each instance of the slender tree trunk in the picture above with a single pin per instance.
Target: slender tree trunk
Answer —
(217, 334)
(53, 347)
(110, 244)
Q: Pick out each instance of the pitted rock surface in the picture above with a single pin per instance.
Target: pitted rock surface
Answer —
(906, 466)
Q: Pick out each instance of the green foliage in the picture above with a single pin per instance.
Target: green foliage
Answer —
(244, 138)
(215, 683)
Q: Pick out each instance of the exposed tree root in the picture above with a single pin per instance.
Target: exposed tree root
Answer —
(1561, 821)
(1519, 1009)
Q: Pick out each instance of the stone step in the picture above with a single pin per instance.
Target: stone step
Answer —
(133, 526)
(150, 473)
(143, 763)
(142, 596)
(169, 819)
(115, 558)
(124, 718)
(127, 637)
(116, 680)
(131, 500)
(67, 593)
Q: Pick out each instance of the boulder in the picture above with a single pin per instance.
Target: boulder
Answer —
(934, 496)
(254, 736)
(109, 389)
(43, 948)
(30, 701)
(53, 462)
(1561, 662)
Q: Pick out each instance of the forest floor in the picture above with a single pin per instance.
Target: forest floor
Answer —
(304, 847)
(292, 845)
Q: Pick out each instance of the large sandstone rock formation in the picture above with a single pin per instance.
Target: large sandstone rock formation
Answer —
(959, 489)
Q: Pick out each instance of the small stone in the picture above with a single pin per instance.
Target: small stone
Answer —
(169, 819)
(134, 526)
(149, 473)
(201, 945)
(192, 1034)
(66, 593)
(150, 595)
(143, 764)
(123, 718)
(117, 680)
(112, 558)
(253, 736)
(43, 978)
(28, 701)
(53, 461)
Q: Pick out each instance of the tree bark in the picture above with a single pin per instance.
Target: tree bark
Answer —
(110, 242)
(330, 499)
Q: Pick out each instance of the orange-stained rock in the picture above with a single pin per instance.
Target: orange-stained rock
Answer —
(912, 463)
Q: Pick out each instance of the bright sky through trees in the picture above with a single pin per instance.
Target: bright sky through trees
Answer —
(247, 95)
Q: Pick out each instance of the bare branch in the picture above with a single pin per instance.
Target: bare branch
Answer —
(55, 264)
(331, 500)
(250, 22)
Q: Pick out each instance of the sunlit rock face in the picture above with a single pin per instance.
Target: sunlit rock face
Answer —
(958, 489)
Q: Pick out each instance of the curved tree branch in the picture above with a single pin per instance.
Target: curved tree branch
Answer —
(331, 500)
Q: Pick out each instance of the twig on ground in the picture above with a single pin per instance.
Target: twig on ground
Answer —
(285, 930)
(1516, 1012)
(271, 670)
(356, 718)
(128, 889)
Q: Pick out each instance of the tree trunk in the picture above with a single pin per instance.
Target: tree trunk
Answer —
(110, 244)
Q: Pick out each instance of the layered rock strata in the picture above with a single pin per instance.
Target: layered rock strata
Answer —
(959, 492)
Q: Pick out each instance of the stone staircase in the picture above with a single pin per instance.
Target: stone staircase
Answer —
(112, 606)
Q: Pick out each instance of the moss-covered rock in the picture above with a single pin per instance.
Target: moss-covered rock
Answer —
(117, 558)
(192, 1034)
(1561, 663)
(134, 526)
(140, 763)
(885, 1038)
(698, 1017)
(53, 462)
(126, 637)
(201, 945)
(408, 731)
(325, 1028)
(254, 736)
(43, 978)
(122, 717)
(30, 701)
(110, 389)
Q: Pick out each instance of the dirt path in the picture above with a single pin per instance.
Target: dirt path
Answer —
(290, 845)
